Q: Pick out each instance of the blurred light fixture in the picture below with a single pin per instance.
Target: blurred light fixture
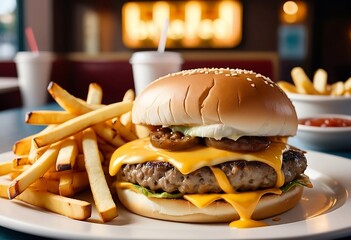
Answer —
(293, 12)
(290, 7)
(192, 24)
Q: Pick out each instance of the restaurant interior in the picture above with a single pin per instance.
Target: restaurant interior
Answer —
(68, 86)
(93, 40)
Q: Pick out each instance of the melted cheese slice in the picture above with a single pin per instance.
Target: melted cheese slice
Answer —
(222, 180)
(141, 150)
(244, 203)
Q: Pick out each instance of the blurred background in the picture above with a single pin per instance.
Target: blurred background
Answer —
(94, 39)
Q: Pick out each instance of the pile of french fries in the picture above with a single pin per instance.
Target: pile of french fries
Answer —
(318, 86)
(70, 155)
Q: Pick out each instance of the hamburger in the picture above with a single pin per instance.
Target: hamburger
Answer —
(217, 150)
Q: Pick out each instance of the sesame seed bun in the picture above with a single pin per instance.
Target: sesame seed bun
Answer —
(244, 100)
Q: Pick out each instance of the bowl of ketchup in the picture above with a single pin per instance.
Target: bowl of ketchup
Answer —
(325, 132)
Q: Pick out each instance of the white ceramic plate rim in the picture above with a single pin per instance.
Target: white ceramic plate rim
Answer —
(336, 223)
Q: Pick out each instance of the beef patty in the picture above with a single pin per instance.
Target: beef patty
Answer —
(243, 175)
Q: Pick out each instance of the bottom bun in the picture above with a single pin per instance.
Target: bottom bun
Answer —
(181, 210)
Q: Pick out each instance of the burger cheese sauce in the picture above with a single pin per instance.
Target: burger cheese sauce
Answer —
(244, 203)
(222, 180)
(141, 150)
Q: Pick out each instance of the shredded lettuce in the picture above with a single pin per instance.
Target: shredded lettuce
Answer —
(304, 181)
(150, 193)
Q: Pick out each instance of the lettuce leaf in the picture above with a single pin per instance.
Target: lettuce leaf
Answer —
(303, 181)
(150, 193)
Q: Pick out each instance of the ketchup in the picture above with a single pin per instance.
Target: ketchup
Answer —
(325, 122)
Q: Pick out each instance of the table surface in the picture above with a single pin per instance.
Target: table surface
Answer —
(13, 128)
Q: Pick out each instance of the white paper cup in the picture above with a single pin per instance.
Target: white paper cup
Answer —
(33, 70)
(149, 65)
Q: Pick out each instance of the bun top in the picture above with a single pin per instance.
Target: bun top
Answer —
(244, 101)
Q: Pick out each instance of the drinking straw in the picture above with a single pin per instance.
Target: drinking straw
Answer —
(163, 38)
(31, 40)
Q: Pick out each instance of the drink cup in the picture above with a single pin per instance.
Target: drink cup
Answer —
(149, 65)
(33, 70)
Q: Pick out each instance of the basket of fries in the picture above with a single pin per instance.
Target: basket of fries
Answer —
(317, 96)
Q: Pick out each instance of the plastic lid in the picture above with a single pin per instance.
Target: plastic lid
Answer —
(155, 57)
(37, 56)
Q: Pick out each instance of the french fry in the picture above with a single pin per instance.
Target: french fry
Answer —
(94, 94)
(18, 170)
(337, 89)
(72, 208)
(48, 117)
(67, 154)
(35, 153)
(23, 146)
(106, 149)
(108, 134)
(126, 118)
(78, 138)
(99, 188)
(287, 87)
(103, 130)
(142, 131)
(347, 85)
(46, 185)
(123, 130)
(320, 80)
(57, 175)
(3, 190)
(21, 182)
(5, 167)
(80, 163)
(82, 122)
(19, 161)
(71, 184)
(65, 186)
(302, 82)
(69, 102)
(319, 85)
(129, 95)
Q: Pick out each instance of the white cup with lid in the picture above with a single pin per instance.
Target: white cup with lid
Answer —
(149, 65)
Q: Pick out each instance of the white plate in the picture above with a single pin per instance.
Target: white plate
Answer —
(323, 212)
